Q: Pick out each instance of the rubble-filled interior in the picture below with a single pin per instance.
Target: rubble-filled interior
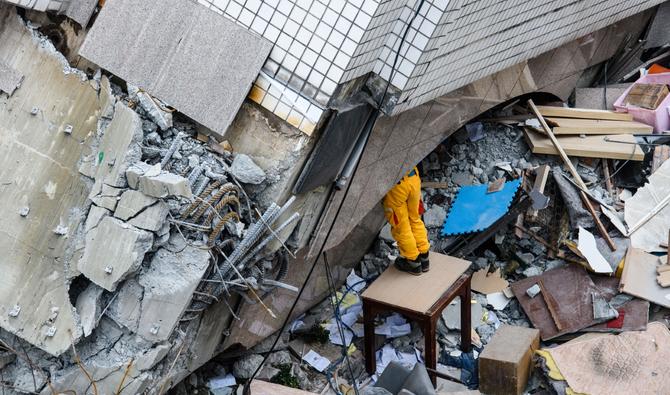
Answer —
(149, 209)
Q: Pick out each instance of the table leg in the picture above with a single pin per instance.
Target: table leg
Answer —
(430, 347)
(369, 330)
(466, 312)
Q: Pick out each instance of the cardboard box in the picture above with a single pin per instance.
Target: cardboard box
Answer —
(504, 366)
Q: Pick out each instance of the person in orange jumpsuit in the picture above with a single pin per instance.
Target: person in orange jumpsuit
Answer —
(403, 208)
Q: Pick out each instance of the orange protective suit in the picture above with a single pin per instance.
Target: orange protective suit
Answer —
(403, 208)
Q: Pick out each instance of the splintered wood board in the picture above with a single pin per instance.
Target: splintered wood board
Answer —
(594, 126)
(583, 113)
(417, 293)
(588, 147)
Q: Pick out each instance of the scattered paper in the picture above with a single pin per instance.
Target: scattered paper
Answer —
(394, 326)
(487, 283)
(587, 246)
(389, 354)
(222, 382)
(316, 361)
(498, 300)
(336, 338)
(355, 282)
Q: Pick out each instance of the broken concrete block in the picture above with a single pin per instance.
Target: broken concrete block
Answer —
(95, 215)
(105, 196)
(434, 218)
(168, 284)
(118, 148)
(6, 358)
(113, 245)
(10, 78)
(151, 181)
(247, 365)
(152, 218)
(160, 117)
(504, 366)
(246, 170)
(126, 307)
(131, 203)
(533, 291)
(88, 308)
(150, 358)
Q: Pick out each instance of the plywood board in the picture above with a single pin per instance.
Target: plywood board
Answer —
(583, 113)
(488, 283)
(623, 364)
(639, 278)
(570, 287)
(259, 387)
(417, 293)
(588, 147)
(592, 126)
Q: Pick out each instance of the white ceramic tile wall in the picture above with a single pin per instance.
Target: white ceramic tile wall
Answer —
(320, 44)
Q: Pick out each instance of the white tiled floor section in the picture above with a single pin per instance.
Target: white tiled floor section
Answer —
(41, 5)
(320, 44)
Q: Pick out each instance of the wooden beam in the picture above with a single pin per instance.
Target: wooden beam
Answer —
(583, 113)
(541, 174)
(575, 175)
(593, 126)
(587, 147)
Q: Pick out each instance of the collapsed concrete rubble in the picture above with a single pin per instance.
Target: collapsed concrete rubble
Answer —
(149, 225)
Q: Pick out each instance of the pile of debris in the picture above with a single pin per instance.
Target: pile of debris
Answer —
(170, 226)
(566, 252)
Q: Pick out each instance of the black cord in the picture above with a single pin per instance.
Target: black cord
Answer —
(372, 120)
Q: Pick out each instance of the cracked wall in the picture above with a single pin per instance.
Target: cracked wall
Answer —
(39, 177)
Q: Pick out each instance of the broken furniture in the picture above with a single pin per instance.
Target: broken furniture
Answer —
(420, 298)
(504, 366)
(565, 303)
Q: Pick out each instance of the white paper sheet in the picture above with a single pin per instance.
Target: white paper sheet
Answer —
(587, 246)
(316, 361)
(355, 282)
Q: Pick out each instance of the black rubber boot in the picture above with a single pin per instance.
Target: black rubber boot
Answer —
(405, 265)
(425, 262)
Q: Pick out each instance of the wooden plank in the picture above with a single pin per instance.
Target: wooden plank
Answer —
(583, 113)
(575, 175)
(647, 96)
(663, 279)
(592, 126)
(589, 146)
(417, 293)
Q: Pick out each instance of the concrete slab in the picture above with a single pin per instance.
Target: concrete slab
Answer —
(113, 251)
(81, 11)
(177, 51)
(152, 218)
(131, 203)
(38, 169)
(168, 284)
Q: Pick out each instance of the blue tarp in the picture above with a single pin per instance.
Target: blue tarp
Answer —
(474, 210)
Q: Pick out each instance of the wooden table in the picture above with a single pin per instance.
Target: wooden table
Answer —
(419, 298)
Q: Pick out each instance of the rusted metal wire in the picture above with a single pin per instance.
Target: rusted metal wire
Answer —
(226, 188)
(220, 205)
(200, 198)
(219, 227)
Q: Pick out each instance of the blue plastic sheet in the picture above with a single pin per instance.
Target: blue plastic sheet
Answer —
(474, 210)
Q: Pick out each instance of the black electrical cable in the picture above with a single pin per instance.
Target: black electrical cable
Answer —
(370, 123)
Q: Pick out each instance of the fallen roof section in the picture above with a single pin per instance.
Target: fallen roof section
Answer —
(178, 51)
